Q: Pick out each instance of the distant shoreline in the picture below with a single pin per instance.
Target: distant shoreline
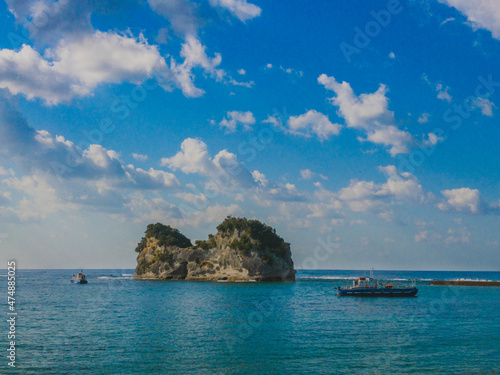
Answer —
(465, 283)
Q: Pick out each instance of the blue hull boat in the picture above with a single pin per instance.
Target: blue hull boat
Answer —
(378, 292)
(79, 281)
(371, 287)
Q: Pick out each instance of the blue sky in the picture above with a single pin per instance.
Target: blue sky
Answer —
(370, 126)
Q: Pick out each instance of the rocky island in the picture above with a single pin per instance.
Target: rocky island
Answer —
(241, 250)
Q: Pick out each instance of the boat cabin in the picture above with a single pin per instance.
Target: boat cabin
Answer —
(365, 282)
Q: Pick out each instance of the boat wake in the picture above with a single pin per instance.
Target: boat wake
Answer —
(124, 276)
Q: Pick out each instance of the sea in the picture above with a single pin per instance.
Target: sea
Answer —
(118, 325)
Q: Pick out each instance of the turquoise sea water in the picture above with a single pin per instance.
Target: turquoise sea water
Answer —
(117, 325)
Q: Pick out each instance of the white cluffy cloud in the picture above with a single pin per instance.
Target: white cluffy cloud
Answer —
(486, 106)
(313, 123)
(369, 113)
(462, 200)
(38, 151)
(424, 118)
(79, 58)
(296, 72)
(50, 21)
(140, 157)
(443, 93)
(442, 90)
(234, 118)
(238, 8)
(76, 67)
(307, 174)
(224, 173)
(480, 13)
(367, 195)
(225, 167)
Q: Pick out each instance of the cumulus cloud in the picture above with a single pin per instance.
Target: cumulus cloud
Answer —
(193, 158)
(224, 167)
(443, 92)
(40, 198)
(180, 13)
(424, 118)
(275, 121)
(432, 140)
(360, 190)
(260, 178)
(273, 192)
(397, 140)
(307, 174)
(468, 201)
(235, 118)
(483, 14)
(195, 56)
(80, 58)
(369, 113)
(39, 151)
(403, 186)
(76, 67)
(462, 200)
(238, 8)
(295, 72)
(60, 176)
(313, 123)
(486, 106)
(140, 157)
(368, 196)
(49, 20)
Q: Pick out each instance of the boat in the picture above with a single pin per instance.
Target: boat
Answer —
(371, 287)
(80, 278)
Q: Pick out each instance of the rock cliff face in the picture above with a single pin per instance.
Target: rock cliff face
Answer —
(242, 250)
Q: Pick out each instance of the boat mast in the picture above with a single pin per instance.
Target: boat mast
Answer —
(371, 273)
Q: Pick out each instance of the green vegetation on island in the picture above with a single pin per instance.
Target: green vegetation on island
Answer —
(255, 234)
(166, 236)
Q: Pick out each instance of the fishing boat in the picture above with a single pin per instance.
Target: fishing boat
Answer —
(371, 287)
(80, 278)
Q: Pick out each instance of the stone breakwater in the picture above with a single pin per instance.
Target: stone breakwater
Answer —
(465, 283)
